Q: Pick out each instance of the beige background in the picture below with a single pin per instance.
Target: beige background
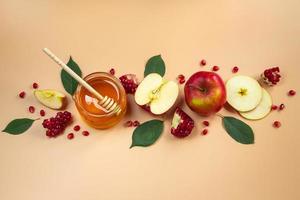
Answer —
(250, 34)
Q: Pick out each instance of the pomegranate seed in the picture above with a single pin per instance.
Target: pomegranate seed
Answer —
(205, 123)
(42, 113)
(281, 107)
(112, 71)
(85, 133)
(35, 85)
(292, 92)
(129, 123)
(274, 107)
(70, 136)
(182, 81)
(235, 69)
(203, 62)
(22, 94)
(215, 68)
(205, 131)
(180, 77)
(276, 124)
(136, 123)
(31, 109)
(76, 128)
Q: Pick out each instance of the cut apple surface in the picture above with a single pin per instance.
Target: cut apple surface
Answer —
(51, 98)
(262, 109)
(146, 87)
(167, 97)
(243, 93)
(159, 94)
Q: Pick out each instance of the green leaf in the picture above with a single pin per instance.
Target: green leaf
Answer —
(18, 126)
(147, 133)
(238, 130)
(69, 83)
(155, 65)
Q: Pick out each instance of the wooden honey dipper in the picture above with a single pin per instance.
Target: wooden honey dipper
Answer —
(106, 102)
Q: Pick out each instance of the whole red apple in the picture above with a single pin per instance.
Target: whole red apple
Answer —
(205, 93)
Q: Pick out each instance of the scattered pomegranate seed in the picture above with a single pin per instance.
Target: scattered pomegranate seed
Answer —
(205, 123)
(70, 136)
(85, 133)
(31, 109)
(276, 124)
(215, 68)
(205, 131)
(292, 92)
(274, 107)
(112, 71)
(235, 69)
(42, 113)
(203, 62)
(35, 85)
(136, 123)
(129, 123)
(182, 81)
(180, 77)
(76, 128)
(281, 107)
(22, 94)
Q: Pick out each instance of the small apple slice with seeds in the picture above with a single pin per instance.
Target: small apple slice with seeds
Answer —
(51, 98)
(262, 110)
(243, 93)
(159, 94)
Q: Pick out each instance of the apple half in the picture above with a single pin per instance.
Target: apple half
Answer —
(243, 93)
(51, 98)
(261, 110)
(157, 93)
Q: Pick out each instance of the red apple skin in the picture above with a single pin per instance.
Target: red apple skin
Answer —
(205, 93)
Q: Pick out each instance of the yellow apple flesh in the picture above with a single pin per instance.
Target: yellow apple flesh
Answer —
(261, 110)
(51, 98)
(159, 94)
(243, 93)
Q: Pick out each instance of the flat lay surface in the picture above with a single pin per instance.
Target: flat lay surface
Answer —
(100, 35)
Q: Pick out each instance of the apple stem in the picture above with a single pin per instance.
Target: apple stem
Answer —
(37, 119)
(198, 88)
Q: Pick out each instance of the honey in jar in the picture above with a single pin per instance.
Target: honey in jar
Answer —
(87, 104)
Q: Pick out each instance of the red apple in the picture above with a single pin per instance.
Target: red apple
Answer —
(205, 93)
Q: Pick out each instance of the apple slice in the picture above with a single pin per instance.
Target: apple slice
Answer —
(51, 98)
(168, 95)
(262, 109)
(243, 93)
(159, 94)
(149, 84)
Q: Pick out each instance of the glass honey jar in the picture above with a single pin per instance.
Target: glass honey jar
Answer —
(87, 105)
